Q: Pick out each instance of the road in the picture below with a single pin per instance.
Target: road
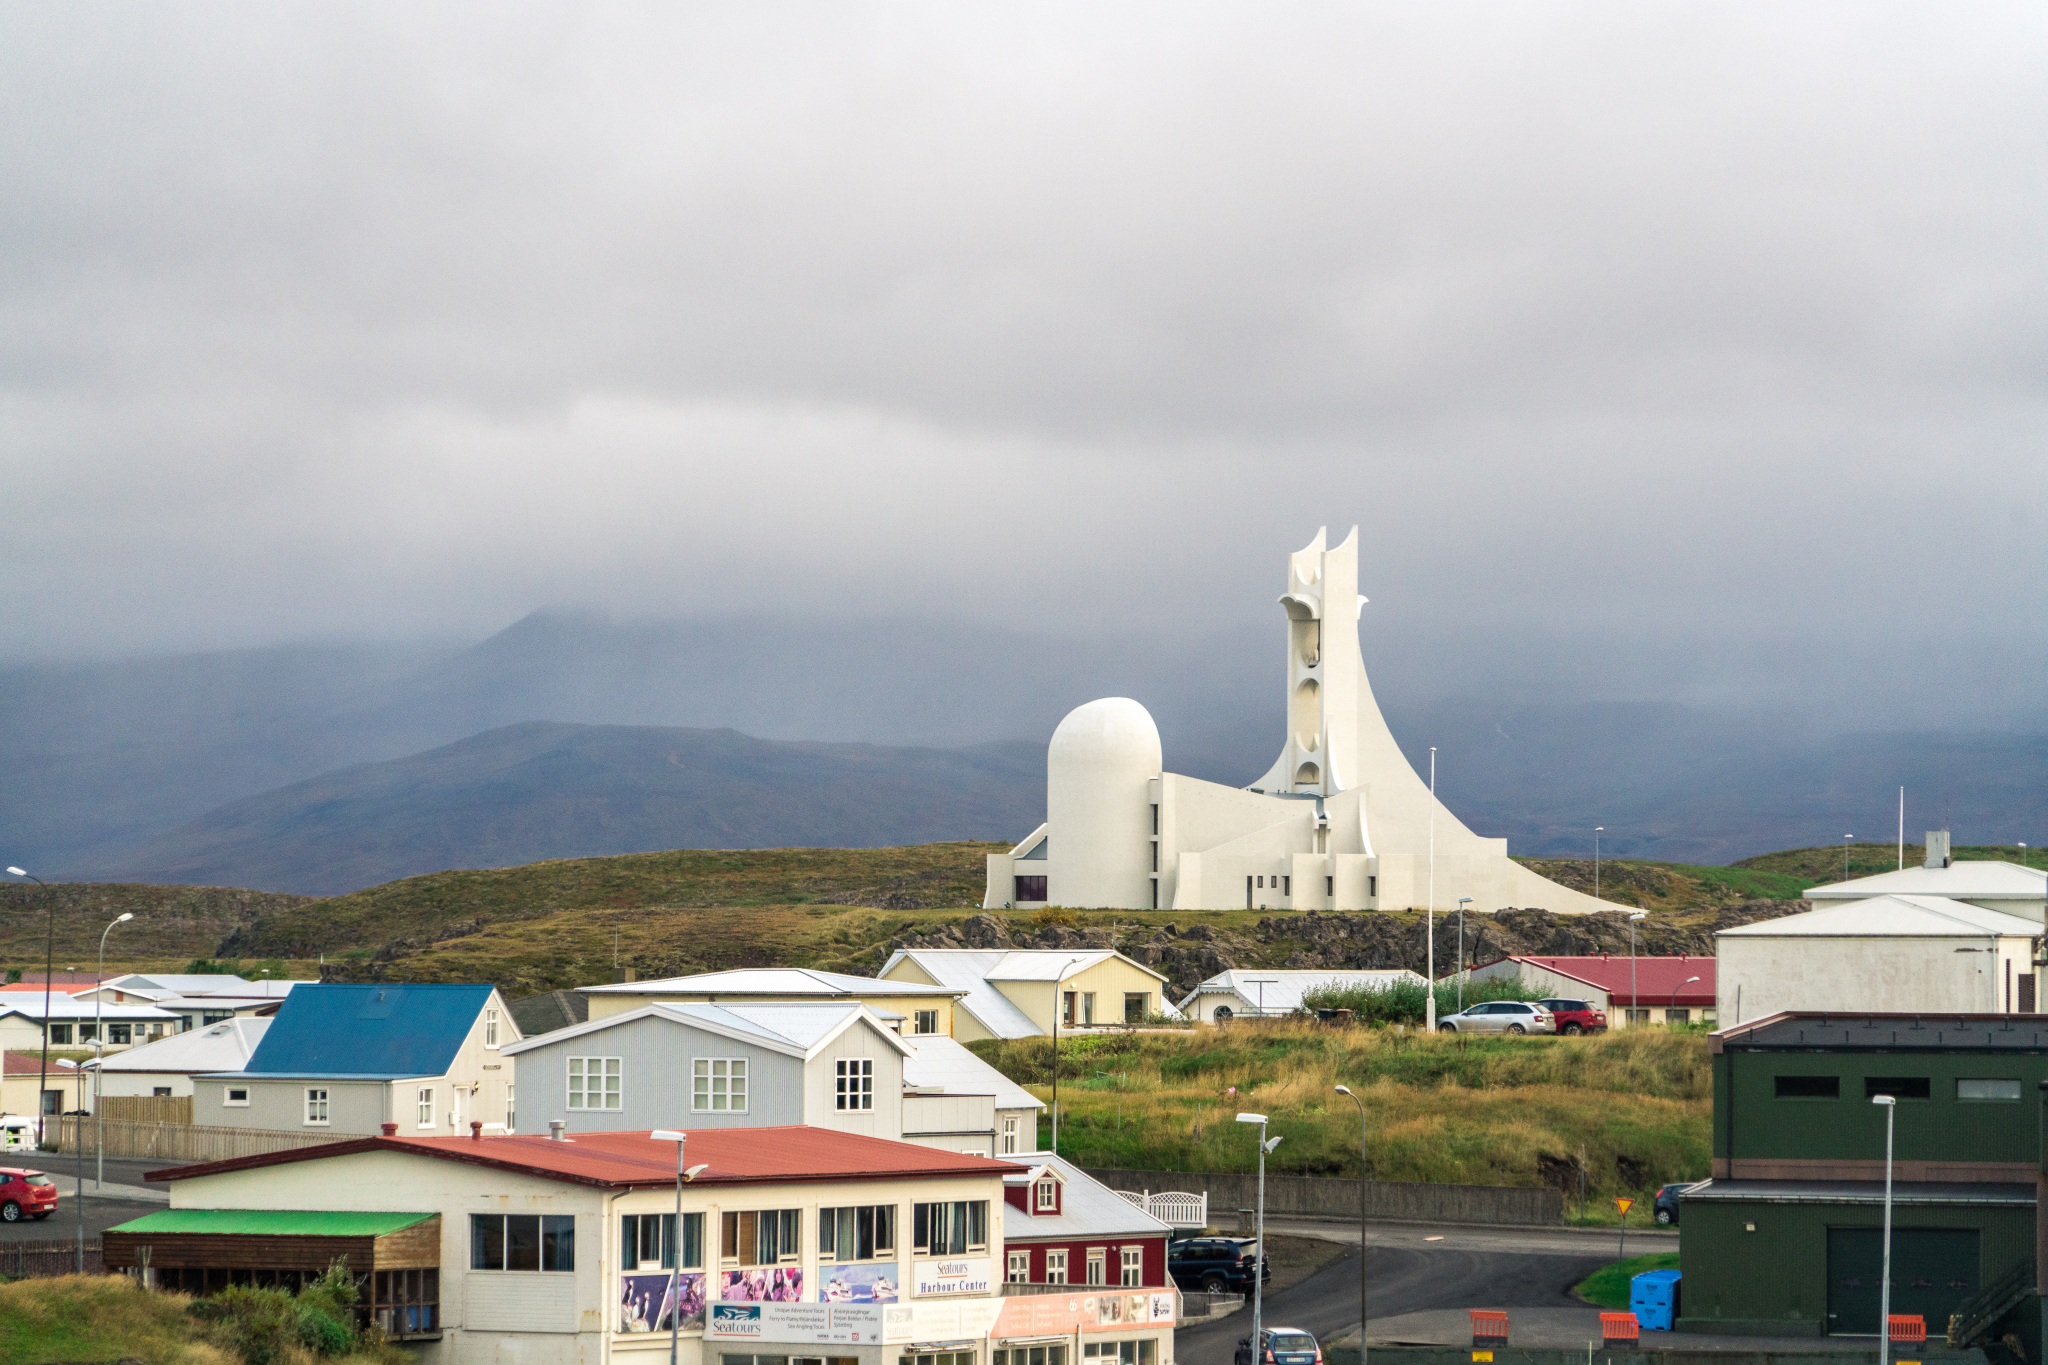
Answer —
(1414, 1269)
(124, 1176)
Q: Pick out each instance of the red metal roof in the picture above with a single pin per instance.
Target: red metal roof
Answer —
(31, 1064)
(1659, 980)
(735, 1156)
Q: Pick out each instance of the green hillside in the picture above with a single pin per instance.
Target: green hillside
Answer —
(1818, 865)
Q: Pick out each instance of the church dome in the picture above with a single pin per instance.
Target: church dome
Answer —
(1113, 737)
(1098, 805)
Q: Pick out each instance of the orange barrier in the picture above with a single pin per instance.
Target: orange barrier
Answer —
(1618, 1327)
(1907, 1327)
(1489, 1327)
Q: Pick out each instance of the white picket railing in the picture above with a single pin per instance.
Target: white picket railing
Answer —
(1175, 1208)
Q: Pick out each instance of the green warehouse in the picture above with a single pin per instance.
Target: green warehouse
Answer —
(1786, 1238)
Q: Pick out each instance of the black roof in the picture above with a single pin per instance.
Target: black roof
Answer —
(544, 1013)
(1835, 1032)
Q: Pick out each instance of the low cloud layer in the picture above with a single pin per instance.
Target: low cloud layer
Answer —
(1692, 351)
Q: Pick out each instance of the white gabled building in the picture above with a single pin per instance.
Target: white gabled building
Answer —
(1245, 993)
(167, 1066)
(1984, 883)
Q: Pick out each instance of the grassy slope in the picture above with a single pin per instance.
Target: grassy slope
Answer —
(1818, 865)
(1608, 1287)
(98, 1318)
(1447, 1109)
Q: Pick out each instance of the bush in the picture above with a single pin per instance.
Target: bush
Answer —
(262, 1326)
(1401, 1002)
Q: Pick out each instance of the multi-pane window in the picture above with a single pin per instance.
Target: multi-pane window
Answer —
(1019, 1271)
(490, 1028)
(1056, 1267)
(595, 1083)
(1055, 1354)
(761, 1236)
(1144, 1351)
(1047, 1195)
(316, 1104)
(1987, 1090)
(511, 1109)
(718, 1085)
(856, 1083)
(949, 1229)
(522, 1241)
(926, 1021)
(119, 1033)
(1009, 1135)
(935, 1358)
(60, 1035)
(1133, 1266)
(426, 1100)
(859, 1232)
(1095, 1265)
(1136, 1003)
(648, 1240)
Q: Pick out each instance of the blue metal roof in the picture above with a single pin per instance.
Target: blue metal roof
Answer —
(368, 1031)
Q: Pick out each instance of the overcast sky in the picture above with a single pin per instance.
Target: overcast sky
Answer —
(1693, 350)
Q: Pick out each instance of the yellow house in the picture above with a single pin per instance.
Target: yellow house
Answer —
(925, 1007)
(1014, 992)
(25, 1073)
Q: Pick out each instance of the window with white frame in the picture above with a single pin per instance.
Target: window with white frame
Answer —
(595, 1083)
(1019, 1267)
(761, 1237)
(953, 1228)
(316, 1104)
(1056, 1267)
(235, 1097)
(511, 1108)
(856, 1083)
(426, 1106)
(718, 1085)
(1046, 1195)
(925, 1021)
(1143, 1351)
(490, 1028)
(858, 1232)
(1096, 1265)
(1010, 1134)
(1133, 1259)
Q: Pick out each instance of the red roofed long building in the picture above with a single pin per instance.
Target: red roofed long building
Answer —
(1638, 990)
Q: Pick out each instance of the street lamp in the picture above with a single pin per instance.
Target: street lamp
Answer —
(675, 1245)
(99, 1043)
(1632, 997)
(1347, 1091)
(1884, 1288)
(1463, 901)
(1259, 1269)
(1596, 860)
(49, 964)
(1673, 1003)
(1059, 979)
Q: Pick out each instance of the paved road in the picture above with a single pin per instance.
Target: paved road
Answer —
(124, 1180)
(1415, 1269)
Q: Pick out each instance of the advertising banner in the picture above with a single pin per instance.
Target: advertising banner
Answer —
(1048, 1315)
(956, 1275)
(792, 1323)
(644, 1301)
(934, 1322)
(782, 1284)
(874, 1283)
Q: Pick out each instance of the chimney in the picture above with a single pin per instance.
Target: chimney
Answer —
(390, 1130)
(558, 1130)
(476, 1130)
(1937, 848)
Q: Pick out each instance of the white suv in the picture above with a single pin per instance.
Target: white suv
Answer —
(1500, 1016)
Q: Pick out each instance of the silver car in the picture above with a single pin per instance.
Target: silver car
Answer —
(1500, 1016)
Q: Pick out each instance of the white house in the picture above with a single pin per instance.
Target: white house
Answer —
(167, 1066)
(947, 1090)
(1888, 954)
(1989, 885)
(1340, 822)
(79, 1023)
(1248, 994)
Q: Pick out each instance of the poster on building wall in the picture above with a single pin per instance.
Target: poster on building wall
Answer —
(857, 1283)
(779, 1284)
(791, 1323)
(959, 1275)
(967, 1321)
(644, 1301)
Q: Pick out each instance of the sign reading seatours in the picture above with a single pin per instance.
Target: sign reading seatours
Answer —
(785, 1322)
(957, 1275)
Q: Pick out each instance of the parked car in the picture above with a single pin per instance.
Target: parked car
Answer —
(1283, 1346)
(25, 1194)
(1576, 1016)
(1666, 1202)
(1500, 1016)
(1215, 1265)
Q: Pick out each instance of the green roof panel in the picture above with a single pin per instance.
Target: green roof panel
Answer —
(272, 1222)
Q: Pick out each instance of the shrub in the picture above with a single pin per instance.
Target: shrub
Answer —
(1401, 1002)
(263, 1326)
(1054, 917)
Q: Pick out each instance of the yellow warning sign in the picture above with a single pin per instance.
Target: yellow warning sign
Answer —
(1482, 1357)
(1624, 1205)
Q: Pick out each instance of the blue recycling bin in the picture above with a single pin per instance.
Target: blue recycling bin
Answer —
(1653, 1298)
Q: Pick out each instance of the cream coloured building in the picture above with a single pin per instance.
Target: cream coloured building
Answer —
(1341, 821)
(1015, 992)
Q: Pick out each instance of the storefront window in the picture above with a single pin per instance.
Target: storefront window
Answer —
(1053, 1354)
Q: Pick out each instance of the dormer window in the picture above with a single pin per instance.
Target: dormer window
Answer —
(1046, 1198)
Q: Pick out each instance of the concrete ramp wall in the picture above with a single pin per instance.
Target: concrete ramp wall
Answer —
(1300, 1196)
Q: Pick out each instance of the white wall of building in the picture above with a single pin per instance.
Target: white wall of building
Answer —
(1763, 976)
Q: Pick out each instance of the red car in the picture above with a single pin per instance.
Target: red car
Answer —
(25, 1194)
(1576, 1016)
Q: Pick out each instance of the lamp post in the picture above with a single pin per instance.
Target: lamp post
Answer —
(1632, 997)
(49, 964)
(99, 1044)
(1884, 1286)
(1428, 996)
(1463, 901)
(675, 1247)
(1259, 1269)
(1673, 1003)
(1596, 860)
(1347, 1091)
(1059, 979)
(1845, 855)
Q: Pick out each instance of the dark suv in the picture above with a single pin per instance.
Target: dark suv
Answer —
(1216, 1265)
(1576, 1016)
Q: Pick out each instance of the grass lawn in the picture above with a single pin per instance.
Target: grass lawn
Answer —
(1608, 1286)
(97, 1318)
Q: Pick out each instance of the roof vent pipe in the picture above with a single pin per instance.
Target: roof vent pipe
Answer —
(390, 1130)
(476, 1130)
(558, 1129)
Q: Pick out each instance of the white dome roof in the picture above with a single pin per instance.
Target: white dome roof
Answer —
(1114, 732)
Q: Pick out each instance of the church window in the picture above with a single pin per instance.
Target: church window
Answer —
(1030, 889)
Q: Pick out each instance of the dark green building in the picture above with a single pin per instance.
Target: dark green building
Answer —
(1786, 1238)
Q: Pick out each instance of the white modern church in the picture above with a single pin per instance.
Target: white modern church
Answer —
(1340, 822)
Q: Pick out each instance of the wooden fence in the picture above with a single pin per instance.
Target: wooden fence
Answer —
(148, 1108)
(176, 1143)
(37, 1260)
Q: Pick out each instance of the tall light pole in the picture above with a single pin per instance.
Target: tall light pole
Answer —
(1632, 996)
(1884, 1286)
(1259, 1269)
(1463, 901)
(1845, 855)
(675, 1276)
(1596, 860)
(99, 1046)
(49, 964)
(1673, 1003)
(1362, 1319)
(1902, 829)
(1428, 996)
(1059, 979)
